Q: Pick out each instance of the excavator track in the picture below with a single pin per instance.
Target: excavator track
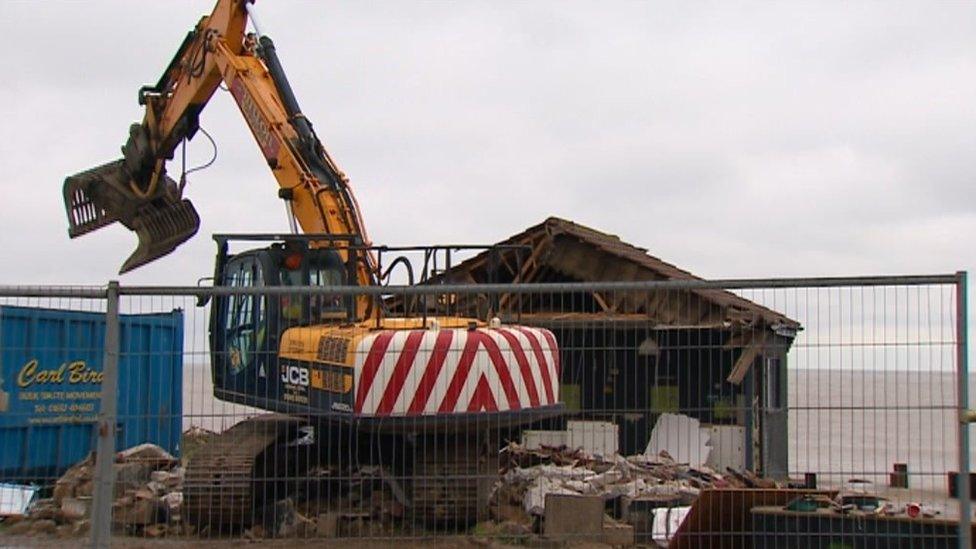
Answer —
(452, 482)
(231, 481)
(220, 486)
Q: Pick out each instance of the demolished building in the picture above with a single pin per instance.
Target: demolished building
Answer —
(630, 356)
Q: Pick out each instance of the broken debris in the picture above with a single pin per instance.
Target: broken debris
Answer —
(15, 498)
(531, 475)
(148, 496)
(682, 437)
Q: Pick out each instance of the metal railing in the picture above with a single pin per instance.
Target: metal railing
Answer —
(690, 413)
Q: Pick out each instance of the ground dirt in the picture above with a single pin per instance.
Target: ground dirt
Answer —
(449, 542)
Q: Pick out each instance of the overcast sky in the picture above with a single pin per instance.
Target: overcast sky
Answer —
(736, 141)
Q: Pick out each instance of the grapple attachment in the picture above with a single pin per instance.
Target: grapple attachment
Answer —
(101, 196)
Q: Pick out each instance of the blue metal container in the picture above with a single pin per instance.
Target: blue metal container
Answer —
(50, 386)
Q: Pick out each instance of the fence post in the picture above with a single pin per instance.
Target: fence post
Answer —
(962, 374)
(101, 532)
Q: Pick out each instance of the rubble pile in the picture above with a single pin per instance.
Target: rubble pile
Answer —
(148, 491)
(529, 475)
(193, 439)
(148, 496)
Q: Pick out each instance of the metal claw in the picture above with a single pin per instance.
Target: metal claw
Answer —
(103, 195)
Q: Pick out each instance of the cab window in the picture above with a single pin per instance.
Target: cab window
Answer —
(319, 268)
(328, 306)
(244, 321)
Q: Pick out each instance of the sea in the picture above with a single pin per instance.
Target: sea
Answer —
(856, 424)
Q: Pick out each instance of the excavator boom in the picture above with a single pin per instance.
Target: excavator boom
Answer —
(136, 189)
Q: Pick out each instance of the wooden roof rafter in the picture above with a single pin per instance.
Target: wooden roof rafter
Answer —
(563, 251)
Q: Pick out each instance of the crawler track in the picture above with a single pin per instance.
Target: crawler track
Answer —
(452, 480)
(219, 487)
(231, 481)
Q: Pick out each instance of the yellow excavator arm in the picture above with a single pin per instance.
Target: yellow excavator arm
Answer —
(136, 190)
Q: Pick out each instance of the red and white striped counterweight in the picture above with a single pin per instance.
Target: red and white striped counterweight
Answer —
(428, 372)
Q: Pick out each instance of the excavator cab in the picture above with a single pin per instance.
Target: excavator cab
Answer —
(246, 326)
(136, 192)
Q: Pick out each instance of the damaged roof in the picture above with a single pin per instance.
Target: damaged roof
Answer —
(561, 250)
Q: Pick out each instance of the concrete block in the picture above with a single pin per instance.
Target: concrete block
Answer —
(327, 525)
(617, 534)
(75, 508)
(594, 437)
(574, 517)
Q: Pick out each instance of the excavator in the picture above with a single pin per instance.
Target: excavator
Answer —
(350, 387)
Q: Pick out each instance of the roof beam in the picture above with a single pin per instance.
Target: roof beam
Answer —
(603, 304)
(529, 269)
(753, 348)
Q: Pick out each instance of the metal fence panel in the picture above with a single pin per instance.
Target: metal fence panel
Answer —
(745, 413)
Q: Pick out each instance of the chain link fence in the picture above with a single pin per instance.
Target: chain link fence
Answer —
(743, 413)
